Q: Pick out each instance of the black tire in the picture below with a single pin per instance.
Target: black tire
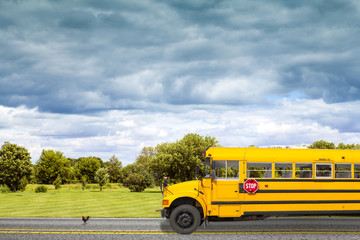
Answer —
(185, 219)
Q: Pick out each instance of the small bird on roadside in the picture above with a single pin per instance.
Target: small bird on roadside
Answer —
(85, 219)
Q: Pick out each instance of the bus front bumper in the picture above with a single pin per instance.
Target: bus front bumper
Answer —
(164, 213)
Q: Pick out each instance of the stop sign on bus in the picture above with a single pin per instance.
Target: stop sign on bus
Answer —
(251, 186)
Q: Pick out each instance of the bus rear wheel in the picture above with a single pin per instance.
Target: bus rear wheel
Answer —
(185, 219)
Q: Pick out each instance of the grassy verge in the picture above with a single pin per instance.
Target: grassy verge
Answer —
(72, 201)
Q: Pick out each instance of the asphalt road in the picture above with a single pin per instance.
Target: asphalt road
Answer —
(110, 228)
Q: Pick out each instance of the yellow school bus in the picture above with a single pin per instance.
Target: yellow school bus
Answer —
(255, 183)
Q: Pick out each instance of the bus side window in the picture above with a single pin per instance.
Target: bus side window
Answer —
(232, 169)
(283, 170)
(342, 170)
(226, 170)
(259, 170)
(323, 170)
(356, 170)
(303, 170)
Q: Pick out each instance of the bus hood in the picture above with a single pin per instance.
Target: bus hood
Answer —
(184, 187)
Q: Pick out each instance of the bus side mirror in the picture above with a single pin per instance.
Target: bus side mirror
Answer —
(165, 184)
(197, 168)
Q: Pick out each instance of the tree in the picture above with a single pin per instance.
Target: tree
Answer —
(101, 177)
(50, 165)
(145, 157)
(15, 166)
(88, 167)
(178, 160)
(74, 172)
(322, 145)
(114, 169)
(348, 146)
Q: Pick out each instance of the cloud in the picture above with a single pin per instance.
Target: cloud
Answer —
(125, 132)
(56, 55)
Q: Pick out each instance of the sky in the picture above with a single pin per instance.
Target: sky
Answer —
(97, 78)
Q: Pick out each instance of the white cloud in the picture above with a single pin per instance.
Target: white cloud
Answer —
(124, 133)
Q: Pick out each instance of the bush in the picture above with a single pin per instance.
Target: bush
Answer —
(84, 182)
(136, 177)
(40, 189)
(4, 189)
(57, 182)
(136, 182)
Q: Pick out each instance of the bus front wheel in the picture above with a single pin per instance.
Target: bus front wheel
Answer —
(185, 219)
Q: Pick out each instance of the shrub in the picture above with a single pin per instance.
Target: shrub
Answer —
(57, 182)
(4, 189)
(40, 189)
(136, 182)
(136, 177)
(84, 182)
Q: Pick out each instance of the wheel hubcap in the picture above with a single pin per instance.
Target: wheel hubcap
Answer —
(185, 220)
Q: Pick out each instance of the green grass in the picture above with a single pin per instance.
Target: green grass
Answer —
(72, 201)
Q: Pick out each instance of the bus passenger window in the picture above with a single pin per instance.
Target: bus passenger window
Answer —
(226, 170)
(323, 170)
(259, 170)
(356, 170)
(232, 169)
(283, 170)
(342, 170)
(303, 170)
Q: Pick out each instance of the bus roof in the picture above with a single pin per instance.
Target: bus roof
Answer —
(283, 154)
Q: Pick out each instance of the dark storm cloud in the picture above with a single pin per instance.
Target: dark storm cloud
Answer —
(85, 56)
(78, 20)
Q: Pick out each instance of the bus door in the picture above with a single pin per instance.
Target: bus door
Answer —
(225, 188)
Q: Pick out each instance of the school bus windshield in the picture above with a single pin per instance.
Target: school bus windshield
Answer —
(207, 168)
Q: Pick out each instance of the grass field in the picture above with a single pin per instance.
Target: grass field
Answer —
(72, 201)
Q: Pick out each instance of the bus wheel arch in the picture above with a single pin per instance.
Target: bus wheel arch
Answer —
(189, 201)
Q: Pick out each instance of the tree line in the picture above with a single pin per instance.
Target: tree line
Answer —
(322, 144)
(176, 160)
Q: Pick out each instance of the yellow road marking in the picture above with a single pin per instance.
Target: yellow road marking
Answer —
(87, 230)
(162, 232)
(158, 230)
